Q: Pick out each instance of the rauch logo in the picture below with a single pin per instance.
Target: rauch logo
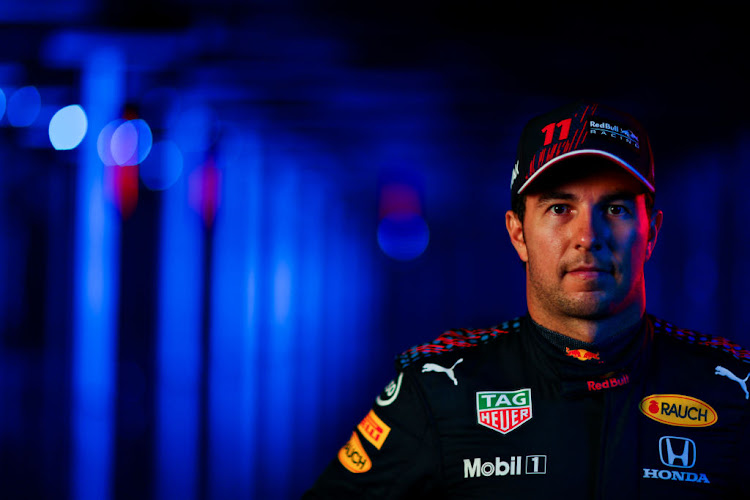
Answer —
(503, 411)
(675, 409)
(353, 456)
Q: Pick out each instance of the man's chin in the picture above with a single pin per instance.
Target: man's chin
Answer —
(575, 284)
(595, 304)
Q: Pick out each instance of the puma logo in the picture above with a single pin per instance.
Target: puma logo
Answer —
(720, 370)
(432, 367)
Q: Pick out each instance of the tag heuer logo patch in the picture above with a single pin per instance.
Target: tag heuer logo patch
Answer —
(503, 411)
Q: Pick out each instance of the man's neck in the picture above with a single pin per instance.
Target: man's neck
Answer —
(588, 330)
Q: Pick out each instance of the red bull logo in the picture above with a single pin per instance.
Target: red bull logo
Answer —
(594, 385)
(581, 354)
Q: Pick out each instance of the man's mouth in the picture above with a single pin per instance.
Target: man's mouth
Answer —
(588, 271)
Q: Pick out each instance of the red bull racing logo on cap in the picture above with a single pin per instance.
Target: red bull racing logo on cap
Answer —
(581, 354)
(614, 131)
(503, 411)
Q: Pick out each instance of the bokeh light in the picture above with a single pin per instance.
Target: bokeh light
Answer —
(145, 139)
(402, 231)
(24, 106)
(403, 237)
(398, 198)
(131, 142)
(68, 127)
(2, 103)
(104, 142)
(163, 166)
(124, 142)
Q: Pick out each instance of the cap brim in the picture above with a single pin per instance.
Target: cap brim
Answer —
(589, 152)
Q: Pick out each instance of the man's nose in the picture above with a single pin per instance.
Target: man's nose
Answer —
(588, 231)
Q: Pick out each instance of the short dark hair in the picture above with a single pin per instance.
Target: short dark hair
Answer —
(518, 205)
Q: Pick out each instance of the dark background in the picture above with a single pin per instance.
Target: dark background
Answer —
(220, 337)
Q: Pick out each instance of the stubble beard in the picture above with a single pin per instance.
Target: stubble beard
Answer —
(590, 304)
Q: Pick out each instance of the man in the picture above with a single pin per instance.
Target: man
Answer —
(587, 396)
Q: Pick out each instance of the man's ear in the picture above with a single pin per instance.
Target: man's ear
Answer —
(653, 231)
(515, 230)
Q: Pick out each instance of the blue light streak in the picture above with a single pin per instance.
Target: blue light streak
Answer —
(234, 373)
(280, 365)
(179, 342)
(317, 236)
(95, 298)
(3, 103)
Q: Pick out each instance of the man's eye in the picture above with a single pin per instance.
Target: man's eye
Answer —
(559, 209)
(616, 210)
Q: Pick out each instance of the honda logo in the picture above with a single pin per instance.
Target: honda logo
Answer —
(677, 452)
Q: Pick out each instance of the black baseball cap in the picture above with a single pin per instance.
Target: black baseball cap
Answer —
(582, 129)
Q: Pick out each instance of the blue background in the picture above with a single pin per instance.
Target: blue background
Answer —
(320, 187)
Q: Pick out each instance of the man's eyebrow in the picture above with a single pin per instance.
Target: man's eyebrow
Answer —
(554, 195)
(624, 195)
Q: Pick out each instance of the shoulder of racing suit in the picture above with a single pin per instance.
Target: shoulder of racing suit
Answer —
(701, 342)
(452, 341)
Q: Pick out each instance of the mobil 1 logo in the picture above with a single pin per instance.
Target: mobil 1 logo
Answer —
(513, 466)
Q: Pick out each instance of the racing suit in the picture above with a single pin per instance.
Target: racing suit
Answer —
(518, 411)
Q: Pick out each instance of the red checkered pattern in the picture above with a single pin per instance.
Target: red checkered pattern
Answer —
(692, 337)
(453, 340)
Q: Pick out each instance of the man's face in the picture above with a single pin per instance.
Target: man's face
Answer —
(585, 238)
